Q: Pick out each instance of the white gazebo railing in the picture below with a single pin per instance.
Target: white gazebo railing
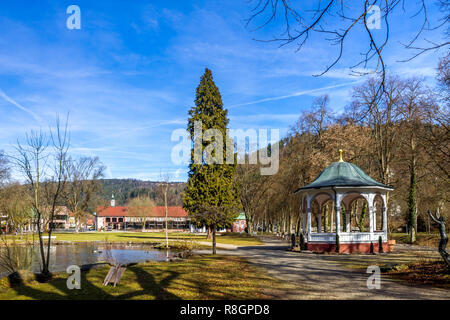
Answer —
(348, 237)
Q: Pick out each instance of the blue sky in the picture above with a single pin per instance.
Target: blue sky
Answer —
(128, 77)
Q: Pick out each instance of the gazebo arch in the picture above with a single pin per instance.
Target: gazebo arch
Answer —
(348, 200)
(342, 183)
(379, 207)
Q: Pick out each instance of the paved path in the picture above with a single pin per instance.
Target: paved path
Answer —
(218, 245)
(320, 276)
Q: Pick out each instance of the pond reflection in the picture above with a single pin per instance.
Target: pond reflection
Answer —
(62, 256)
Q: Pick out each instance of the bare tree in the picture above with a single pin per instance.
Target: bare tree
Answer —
(141, 208)
(15, 257)
(337, 20)
(164, 194)
(4, 169)
(318, 118)
(42, 162)
(79, 195)
(382, 117)
(15, 204)
(416, 102)
(436, 137)
(253, 190)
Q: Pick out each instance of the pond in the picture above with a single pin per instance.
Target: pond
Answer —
(62, 256)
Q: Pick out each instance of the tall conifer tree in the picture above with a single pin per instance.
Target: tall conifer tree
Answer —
(211, 197)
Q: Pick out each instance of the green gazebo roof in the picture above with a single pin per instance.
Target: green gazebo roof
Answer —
(343, 174)
(241, 216)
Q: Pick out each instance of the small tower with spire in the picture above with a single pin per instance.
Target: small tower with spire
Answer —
(113, 201)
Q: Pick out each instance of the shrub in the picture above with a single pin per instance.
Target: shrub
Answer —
(302, 242)
(338, 245)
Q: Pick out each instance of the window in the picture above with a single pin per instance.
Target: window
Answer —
(108, 219)
(114, 219)
(120, 219)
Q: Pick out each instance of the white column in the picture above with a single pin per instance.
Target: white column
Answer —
(369, 198)
(304, 223)
(337, 208)
(308, 212)
(303, 218)
(385, 226)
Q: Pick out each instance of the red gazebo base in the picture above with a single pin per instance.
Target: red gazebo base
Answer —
(350, 247)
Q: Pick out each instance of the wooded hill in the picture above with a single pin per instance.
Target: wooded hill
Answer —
(126, 189)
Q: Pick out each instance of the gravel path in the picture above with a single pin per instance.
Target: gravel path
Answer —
(319, 276)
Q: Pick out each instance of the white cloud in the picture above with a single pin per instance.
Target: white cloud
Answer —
(19, 106)
(298, 93)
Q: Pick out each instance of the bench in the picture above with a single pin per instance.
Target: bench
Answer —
(46, 237)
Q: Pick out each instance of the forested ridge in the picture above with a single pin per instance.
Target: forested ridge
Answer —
(126, 189)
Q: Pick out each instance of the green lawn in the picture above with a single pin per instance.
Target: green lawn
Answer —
(423, 239)
(148, 237)
(199, 277)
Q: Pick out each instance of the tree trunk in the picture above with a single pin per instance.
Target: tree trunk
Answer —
(167, 214)
(412, 206)
(214, 239)
(208, 233)
(299, 226)
(249, 222)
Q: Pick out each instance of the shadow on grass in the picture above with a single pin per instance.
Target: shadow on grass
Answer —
(58, 288)
(200, 277)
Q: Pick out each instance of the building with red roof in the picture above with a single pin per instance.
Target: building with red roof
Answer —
(122, 218)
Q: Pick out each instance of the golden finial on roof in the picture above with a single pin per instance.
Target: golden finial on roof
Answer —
(340, 155)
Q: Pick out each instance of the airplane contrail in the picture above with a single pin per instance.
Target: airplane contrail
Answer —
(296, 94)
(18, 105)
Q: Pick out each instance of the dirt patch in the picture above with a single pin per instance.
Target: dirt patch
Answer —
(431, 272)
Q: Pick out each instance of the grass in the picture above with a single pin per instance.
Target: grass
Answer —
(386, 260)
(238, 239)
(200, 277)
(432, 272)
(148, 237)
(422, 239)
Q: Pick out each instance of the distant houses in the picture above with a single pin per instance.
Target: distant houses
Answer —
(120, 218)
(64, 219)
(239, 224)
